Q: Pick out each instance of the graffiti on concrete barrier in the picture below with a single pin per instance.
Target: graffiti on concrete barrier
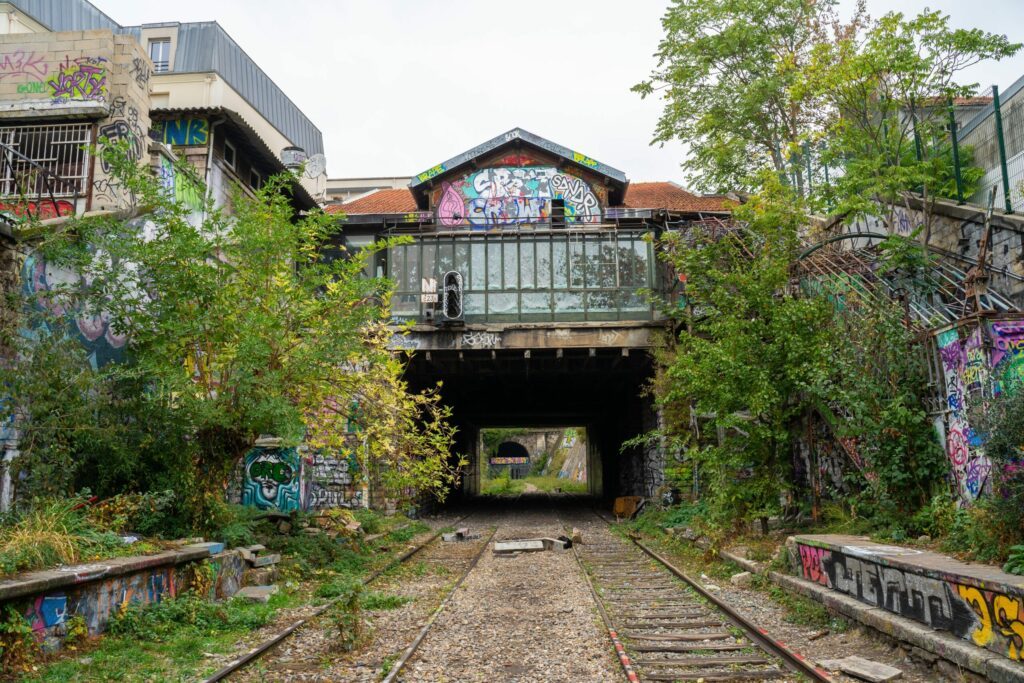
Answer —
(403, 342)
(988, 618)
(481, 340)
(140, 72)
(513, 195)
(80, 79)
(272, 479)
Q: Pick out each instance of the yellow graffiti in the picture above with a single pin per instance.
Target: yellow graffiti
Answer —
(430, 173)
(982, 635)
(583, 159)
(1008, 613)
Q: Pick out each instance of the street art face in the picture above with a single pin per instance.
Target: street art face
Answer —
(514, 195)
(54, 290)
(272, 479)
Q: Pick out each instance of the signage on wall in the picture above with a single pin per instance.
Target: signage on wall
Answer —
(428, 290)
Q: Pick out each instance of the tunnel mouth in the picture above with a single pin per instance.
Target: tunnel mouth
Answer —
(532, 460)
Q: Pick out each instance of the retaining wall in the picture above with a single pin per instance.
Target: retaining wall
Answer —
(974, 602)
(49, 599)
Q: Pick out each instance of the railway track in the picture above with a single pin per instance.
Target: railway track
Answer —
(666, 627)
(460, 557)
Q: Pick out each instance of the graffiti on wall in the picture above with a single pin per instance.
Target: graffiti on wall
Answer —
(965, 369)
(30, 64)
(125, 130)
(1007, 339)
(83, 79)
(513, 195)
(272, 479)
(140, 72)
(56, 291)
(181, 132)
(331, 481)
(47, 208)
(987, 618)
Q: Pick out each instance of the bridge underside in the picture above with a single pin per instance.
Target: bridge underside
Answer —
(599, 388)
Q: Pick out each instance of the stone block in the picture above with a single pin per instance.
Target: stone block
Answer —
(256, 593)
(529, 546)
(264, 576)
(742, 580)
(266, 560)
(211, 547)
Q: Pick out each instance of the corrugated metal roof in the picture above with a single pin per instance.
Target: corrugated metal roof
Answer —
(66, 15)
(202, 47)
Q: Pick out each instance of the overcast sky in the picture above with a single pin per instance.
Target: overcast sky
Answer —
(398, 86)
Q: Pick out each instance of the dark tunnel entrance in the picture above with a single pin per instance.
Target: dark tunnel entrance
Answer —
(600, 390)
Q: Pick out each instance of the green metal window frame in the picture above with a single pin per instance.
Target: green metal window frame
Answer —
(549, 276)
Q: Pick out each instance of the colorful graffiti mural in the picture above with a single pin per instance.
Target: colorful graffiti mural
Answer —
(272, 479)
(56, 291)
(81, 79)
(48, 208)
(181, 132)
(987, 618)
(513, 195)
(1007, 340)
(965, 369)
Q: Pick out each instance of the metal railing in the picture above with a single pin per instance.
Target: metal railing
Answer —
(983, 132)
(49, 160)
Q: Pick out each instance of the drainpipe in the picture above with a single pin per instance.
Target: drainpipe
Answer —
(209, 157)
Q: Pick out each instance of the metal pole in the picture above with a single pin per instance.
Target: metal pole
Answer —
(1002, 149)
(956, 154)
(807, 156)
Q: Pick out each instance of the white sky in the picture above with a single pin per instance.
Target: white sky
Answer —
(398, 86)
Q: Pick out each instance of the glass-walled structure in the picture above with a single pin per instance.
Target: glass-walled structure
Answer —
(551, 275)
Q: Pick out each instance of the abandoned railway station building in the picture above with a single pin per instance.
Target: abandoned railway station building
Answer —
(526, 287)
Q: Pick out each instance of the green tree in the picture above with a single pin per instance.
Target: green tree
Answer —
(727, 71)
(236, 328)
(885, 90)
(748, 355)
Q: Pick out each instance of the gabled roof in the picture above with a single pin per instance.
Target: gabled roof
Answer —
(518, 135)
(658, 195)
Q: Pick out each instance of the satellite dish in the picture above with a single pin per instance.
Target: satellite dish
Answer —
(316, 165)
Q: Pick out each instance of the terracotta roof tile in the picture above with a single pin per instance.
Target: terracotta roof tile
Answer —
(665, 195)
(398, 200)
(657, 195)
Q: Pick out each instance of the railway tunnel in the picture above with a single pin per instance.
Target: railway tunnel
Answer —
(522, 285)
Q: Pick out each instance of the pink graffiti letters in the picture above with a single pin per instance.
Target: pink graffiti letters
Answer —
(811, 560)
(83, 79)
(21, 63)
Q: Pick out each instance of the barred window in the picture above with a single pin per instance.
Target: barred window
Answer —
(160, 53)
(44, 159)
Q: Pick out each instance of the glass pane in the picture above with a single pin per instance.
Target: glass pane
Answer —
(429, 249)
(535, 302)
(462, 260)
(600, 301)
(478, 266)
(602, 273)
(396, 266)
(568, 302)
(405, 305)
(510, 253)
(445, 260)
(576, 263)
(412, 269)
(631, 301)
(559, 265)
(526, 264)
(494, 265)
(501, 303)
(474, 303)
(544, 263)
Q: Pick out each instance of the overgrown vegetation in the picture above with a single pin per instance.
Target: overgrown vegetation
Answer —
(251, 324)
